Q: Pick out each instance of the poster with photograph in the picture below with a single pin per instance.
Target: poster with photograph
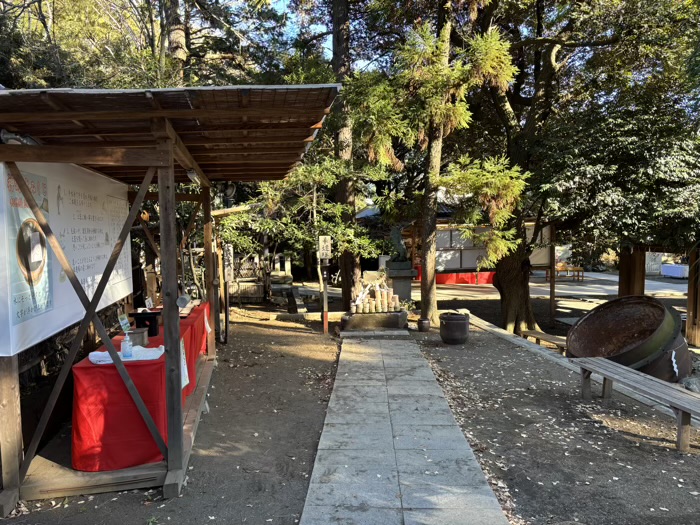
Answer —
(30, 267)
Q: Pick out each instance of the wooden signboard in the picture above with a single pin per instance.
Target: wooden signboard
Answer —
(325, 247)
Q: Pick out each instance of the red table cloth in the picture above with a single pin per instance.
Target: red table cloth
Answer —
(108, 431)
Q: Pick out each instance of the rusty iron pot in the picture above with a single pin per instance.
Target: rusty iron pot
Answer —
(635, 331)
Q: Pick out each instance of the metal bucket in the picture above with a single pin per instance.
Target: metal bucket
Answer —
(635, 331)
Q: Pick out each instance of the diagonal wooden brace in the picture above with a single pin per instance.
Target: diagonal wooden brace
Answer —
(90, 305)
(149, 237)
(190, 226)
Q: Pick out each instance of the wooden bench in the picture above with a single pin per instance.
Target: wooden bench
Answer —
(683, 402)
(571, 271)
(557, 340)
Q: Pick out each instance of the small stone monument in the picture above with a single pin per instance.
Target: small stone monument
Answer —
(399, 269)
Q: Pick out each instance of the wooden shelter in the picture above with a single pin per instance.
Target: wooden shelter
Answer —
(143, 137)
(633, 273)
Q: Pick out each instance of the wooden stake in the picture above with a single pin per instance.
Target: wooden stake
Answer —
(211, 279)
(586, 384)
(552, 278)
(683, 435)
(692, 324)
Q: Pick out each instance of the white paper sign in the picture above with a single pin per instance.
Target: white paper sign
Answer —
(184, 374)
(206, 324)
(86, 211)
(228, 263)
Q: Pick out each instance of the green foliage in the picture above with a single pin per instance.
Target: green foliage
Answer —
(490, 60)
(239, 230)
(433, 89)
(303, 68)
(486, 194)
(293, 212)
(427, 85)
(377, 118)
(124, 43)
(626, 171)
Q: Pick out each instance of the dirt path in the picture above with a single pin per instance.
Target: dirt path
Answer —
(254, 451)
(555, 459)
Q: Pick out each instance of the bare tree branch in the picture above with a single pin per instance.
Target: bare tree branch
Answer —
(541, 42)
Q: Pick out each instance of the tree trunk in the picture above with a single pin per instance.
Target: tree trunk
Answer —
(512, 281)
(308, 265)
(349, 262)
(428, 284)
(177, 45)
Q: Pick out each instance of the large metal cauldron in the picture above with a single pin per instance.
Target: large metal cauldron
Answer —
(636, 331)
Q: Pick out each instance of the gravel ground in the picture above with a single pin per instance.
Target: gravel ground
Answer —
(254, 451)
(554, 459)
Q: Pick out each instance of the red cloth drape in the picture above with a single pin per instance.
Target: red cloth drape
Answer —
(108, 431)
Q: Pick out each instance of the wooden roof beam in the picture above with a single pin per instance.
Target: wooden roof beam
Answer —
(272, 130)
(206, 141)
(162, 128)
(234, 178)
(179, 197)
(146, 114)
(55, 105)
(88, 155)
(243, 162)
(204, 152)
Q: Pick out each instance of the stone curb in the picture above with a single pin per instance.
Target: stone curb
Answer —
(311, 316)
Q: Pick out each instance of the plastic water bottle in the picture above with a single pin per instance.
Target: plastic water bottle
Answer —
(127, 347)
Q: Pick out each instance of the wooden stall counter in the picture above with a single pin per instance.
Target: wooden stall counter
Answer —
(108, 431)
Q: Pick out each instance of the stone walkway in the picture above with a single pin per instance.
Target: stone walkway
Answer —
(391, 452)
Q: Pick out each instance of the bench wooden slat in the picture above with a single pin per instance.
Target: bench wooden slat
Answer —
(616, 368)
(645, 384)
(622, 373)
(557, 340)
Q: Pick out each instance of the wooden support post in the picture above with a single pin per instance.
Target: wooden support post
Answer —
(632, 271)
(10, 434)
(211, 279)
(624, 286)
(90, 309)
(586, 384)
(607, 388)
(552, 279)
(692, 324)
(639, 271)
(171, 325)
(683, 436)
